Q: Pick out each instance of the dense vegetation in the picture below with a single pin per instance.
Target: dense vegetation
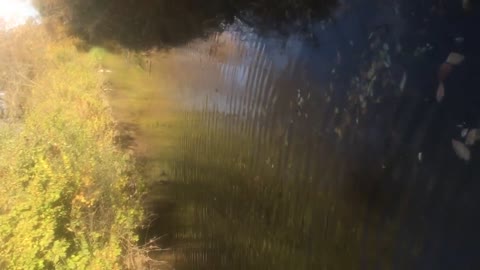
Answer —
(70, 198)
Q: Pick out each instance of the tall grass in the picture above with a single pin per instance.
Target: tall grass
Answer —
(69, 198)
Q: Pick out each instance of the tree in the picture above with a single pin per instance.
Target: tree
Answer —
(144, 23)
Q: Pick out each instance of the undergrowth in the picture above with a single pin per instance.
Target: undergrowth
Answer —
(69, 199)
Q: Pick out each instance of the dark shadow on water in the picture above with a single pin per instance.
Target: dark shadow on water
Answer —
(145, 24)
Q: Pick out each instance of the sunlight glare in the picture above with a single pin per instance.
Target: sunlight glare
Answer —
(16, 12)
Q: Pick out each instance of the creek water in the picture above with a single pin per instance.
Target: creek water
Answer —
(325, 150)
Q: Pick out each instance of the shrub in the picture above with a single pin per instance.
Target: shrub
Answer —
(69, 198)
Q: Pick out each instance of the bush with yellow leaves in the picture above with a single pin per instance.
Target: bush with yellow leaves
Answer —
(69, 198)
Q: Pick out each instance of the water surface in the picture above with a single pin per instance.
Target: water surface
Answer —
(325, 150)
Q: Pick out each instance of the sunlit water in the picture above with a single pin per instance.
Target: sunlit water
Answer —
(325, 152)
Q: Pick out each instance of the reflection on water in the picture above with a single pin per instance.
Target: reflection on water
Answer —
(143, 24)
(276, 152)
(265, 182)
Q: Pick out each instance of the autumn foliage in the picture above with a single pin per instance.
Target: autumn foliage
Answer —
(69, 197)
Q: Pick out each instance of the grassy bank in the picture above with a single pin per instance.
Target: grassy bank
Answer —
(69, 199)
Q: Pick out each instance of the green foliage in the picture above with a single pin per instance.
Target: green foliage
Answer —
(69, 198)
(98, 53)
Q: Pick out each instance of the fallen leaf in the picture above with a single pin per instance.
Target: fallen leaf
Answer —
(455, 59)
(339, 133)
(440, 92)
(444, 71)
(472, 136)
(461, 150)
(403, 81)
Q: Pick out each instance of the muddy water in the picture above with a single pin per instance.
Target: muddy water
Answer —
(285, 152)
